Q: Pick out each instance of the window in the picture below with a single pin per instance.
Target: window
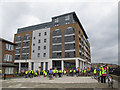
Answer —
(39, 41)
(18, 38)
(17, 57)
(9, 47)
(45, 33)
(34, 38)
(69, 54)
(8, 58)
(38, 47)
(39, 34)
(44, 47)
(56, 24)
(38, 55)
(44, 55)
(69, 30)
(44, 40)
(57, 32)
(33, 51)
(56, 20)
(56, 55)
(67, 17)
(57, 40)
(9, 70)
(33, 44)
(57, 47)
(26, 37)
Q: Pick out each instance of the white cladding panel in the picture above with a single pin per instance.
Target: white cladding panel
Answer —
(35, 41)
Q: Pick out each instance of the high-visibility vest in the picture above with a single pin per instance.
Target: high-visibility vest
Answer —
(45, 73)
(59, 71)
(35, 73)
(74, 71)
(53, 71)
(95, 71)
(70, 70)
(107, 69)
(65, 72)
(85, 71)
(81, 70)
(25, 72)
(103, 71)
(100, 73)
(29, 71)
(56, 71)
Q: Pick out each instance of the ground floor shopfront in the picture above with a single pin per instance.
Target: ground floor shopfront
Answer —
(46, 64)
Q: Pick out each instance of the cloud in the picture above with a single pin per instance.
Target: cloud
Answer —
(98, 19)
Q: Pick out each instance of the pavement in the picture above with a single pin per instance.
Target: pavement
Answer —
(64, 82)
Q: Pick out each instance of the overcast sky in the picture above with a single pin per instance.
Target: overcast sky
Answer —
(99, 19)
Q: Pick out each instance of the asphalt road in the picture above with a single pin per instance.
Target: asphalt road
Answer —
(61, 83)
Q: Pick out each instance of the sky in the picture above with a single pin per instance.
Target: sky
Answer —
(99, 19)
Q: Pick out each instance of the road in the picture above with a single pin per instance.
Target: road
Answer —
(64, 82)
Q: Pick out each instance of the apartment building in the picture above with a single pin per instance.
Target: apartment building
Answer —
(7, 51)
(61, 43)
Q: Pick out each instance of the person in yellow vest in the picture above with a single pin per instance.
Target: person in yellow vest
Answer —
(35, 73)
(56, 71)
(53, 72)
(84, 72)
(64, 72)
(60, 72)
(81, 71)
(107, 68)
(103, 73)
(70, 72)
(32, 73)
(44, 73)
(88, 71)
(95, 72)
(99, 78)
(74, 71)
(26, 74)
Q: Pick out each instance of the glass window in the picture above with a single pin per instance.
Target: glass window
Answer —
(9, 70)
(34, 38)
(56, 47)
(67, 17)
(57, 40)
(45, 33)
(38, 47)
(26, 37)
(33, 44)
(44, 47)
(39, 41)
(38, 55)
(70, 54)
(7, 57)
(56, 32)
(44, 40)
(39, 34)
(56, 20)
(33, 51)
(9, 47)
(57, 55)
(69, 38)
(69, 30)
(18, 38)
(17, 57)
(69, 46)
(44, 55)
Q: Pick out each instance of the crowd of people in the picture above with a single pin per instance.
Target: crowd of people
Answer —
(102, 72)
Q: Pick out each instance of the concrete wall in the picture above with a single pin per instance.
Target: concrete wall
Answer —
(41, 44)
